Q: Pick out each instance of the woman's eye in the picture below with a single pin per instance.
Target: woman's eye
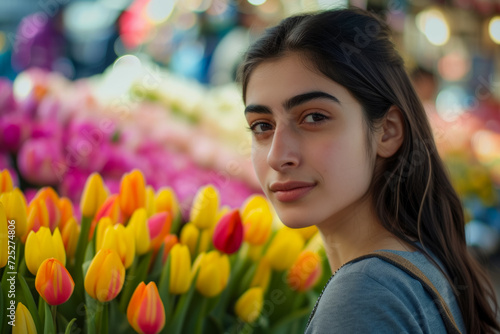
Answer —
(314, 118)
(260, 127)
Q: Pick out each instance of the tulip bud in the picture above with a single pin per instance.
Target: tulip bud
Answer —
(284, 249)
(66, 211)
(168, 242)
(214, 270)
(4, 237)
(51, 201)
(110, 208)
(180, 269)
(158, 226)
(105, 276)
(6, 183)
(15, 209)
(138, 224)
(132, 192)
(70, 234)
(93, 196)
(120, 240)
(150, 201)
(189, 237)
(53, 282)
(204, 208)
(249, 305)
(257, 225)
(228, 233)
(305, 272)
(24, 321)
(41, 245)
(37, 217)
(145, 311)
(166, 200)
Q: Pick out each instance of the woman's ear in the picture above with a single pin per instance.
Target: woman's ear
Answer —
(391, 133)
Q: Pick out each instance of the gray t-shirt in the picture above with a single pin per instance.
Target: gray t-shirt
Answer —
(374, 296)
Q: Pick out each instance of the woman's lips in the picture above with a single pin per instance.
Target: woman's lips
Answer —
(291, 191)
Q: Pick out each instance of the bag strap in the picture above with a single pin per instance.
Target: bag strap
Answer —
(413, 271)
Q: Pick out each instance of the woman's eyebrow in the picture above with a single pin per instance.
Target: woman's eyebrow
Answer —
(292, 102)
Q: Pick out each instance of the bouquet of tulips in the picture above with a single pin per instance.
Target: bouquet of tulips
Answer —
(131, 264)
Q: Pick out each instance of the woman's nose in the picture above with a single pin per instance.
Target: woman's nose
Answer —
(285, 149)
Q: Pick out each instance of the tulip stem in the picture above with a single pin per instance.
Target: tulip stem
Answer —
(102, 318)
(201, 316)
(81, 247)
(53, 309)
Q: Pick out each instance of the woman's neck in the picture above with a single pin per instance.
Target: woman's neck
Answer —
(354, 233)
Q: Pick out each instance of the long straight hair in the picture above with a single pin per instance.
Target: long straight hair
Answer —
(415, 199)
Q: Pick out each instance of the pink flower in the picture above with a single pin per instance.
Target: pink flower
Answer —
(14, 130)
(41, 161)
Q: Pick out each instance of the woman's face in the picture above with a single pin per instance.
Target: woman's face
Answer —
(309, 145)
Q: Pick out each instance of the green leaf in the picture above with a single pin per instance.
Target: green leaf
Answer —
(49, 323)
(30, 302)
(90, 320)
(138, 273)
(182, 308)
(70, 324)
(164, 291)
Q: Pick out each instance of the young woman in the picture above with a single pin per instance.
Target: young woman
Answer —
(341, 141)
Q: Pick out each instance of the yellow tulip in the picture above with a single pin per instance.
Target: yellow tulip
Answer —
(305, 272)
(15, 209)
(307, 232)
(254, 202)
(189, 237)
(262, 275)
(145, 311)
(205, 206)
(42, 245)
(180, 269)
(214, 270)
(93, 196)
(138, 224)
(249, 305)
(4, 237)
(70, 233)
(122, 241)
(24, 321)
(150, 201)
(105, 276)
(102, 226)
(166, 200)
(53, 282)
(257, 220)
(6, 183)
(284, 249)
(132, 192)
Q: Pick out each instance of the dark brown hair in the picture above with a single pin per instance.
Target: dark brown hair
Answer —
(415, 200)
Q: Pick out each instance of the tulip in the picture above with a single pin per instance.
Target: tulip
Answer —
(38, 216)
(150, 201)
(249, 305)
(168, 242)
(180, 269)
(42, 245)
(102, 226)
(138, 224)
(15, 129)
(93, 196)
(145, 311)
(257, 225)
(228, 233)
(189, 237)
(305, 272)
(41, 161)
(205, 240)
(166, 200)
(284, 249)
(110, 208)
(158, 226)
(308, 232)
(214, 270)
(132, 192)
(66, 208)
(105, 276)
(53, 282)
(70, 233)
(6, 184)
(24, 321)
(51, 200)
(122, 241)
(262, 275)
(252, 203)
(15, 209)
(4, 237)
(204, 207)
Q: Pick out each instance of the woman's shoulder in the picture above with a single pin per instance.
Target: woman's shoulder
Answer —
(374, 294)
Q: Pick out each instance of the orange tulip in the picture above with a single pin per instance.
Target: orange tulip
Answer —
(305, 272)
(169, 241)
(132, 192)
(38, 216)
(66, 208)
(110, 208)
(53, 282)
(105, 276)
(70, 233)
(145, 311)
(6, 183)
(51, 201)
(158, 226)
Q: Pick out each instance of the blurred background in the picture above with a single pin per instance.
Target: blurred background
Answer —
(111, 85)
